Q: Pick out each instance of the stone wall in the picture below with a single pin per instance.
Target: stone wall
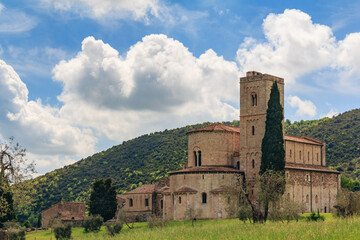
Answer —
(212, 184)
(217, 147)
(65, 211)
(317, 190)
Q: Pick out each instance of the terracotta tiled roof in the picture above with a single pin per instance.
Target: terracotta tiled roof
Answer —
(216, 127)
(164, 190)
(146, 188)
(185, 190)
(207, 169)
(218, 190)
(308, 167)
(304, 139)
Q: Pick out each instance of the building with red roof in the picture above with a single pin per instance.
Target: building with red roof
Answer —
(220, 157)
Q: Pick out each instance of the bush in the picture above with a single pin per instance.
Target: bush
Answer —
(16, 234)
(113, 228)
(315, 217)
(12, 224)
(62, 231)
(244, 213)
(155, 221)
(27, 224)
(93, 223)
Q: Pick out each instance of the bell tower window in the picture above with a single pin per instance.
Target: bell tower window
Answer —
(195, 159)
(253, 130)
(199, 162)
(253, 99)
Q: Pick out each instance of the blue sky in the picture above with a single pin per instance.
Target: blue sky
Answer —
(77, 77)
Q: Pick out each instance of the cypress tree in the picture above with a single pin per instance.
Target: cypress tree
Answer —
(103, 199)
(272, 147)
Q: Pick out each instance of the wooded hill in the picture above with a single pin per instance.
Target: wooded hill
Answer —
(150, 157)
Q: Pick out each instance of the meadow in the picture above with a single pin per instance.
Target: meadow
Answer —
(227, 229)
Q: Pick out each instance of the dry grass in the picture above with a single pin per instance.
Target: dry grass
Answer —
(229, 229)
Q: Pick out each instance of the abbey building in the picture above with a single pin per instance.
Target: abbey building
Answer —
(219, 154)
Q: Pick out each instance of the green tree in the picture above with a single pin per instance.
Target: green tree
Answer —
(103, 199)
(14, 168)
(272, 148)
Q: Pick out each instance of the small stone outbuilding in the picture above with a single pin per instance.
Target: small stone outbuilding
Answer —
(67, 212)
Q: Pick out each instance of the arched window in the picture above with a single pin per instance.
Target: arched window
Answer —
(253, 130)
(179, 200)
(131, 203)
(316, 199)
(324, 209)
(307, 198)
(308, 156)
(199, 153)
(238, 165)
(195, 159)
(162, 204)
(204, 197)
(253, 163)
(146, 202)
(253, 99)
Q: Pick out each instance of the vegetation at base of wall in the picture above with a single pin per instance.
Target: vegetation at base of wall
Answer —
(347, 204)
(16, 234)
(331, 228)
(93, 223)
(148, 158)
(62, 231)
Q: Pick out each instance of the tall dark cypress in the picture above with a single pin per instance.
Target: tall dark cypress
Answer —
(103, 199)
(272, 147)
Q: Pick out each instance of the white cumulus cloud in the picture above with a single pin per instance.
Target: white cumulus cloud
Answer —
(157, 84)
(305, 108)
(39, 128)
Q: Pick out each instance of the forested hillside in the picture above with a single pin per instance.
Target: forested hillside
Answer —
(150, 157)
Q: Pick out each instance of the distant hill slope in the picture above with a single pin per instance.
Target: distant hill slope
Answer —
(150, 157)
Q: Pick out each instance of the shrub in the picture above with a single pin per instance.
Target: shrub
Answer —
(27, 224)
(16, 234)
(315, 217)
(155, 221)
(93, 223)
(244, 213)
(11, 224)
(62, 231)
(347, 204)
(114, 228)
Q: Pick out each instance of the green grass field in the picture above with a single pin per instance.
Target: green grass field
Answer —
(227, 229)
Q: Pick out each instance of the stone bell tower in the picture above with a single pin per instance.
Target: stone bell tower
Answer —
(255, 91)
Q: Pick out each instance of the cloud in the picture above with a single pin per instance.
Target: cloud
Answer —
(140, 10)
(294, 46)
(157, 81)
(305, 108)
(15, 21)
(330, 114)
(39, 128)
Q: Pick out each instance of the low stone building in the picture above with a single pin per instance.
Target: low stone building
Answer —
(219, 155)
(67, 212)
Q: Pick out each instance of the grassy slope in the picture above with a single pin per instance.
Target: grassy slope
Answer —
(230, 229)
